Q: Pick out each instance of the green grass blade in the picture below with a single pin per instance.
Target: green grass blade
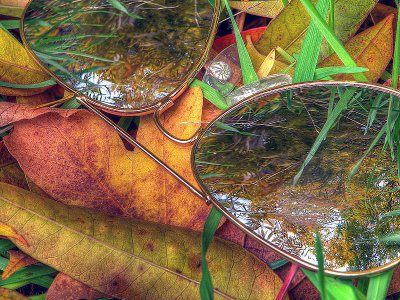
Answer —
(332, 14)
(38, 297)
(10, 24)
(308, 57)
(210, 226)
(42, 84)
(362, 284)
(396, 56)
(379, 285)
(6, 245)
(332, 39)
(278, 263)
(325, 73)
(248, 72)
(71, 104)
(336, 289)
(28, 273)
(211, 94)
(339, 108)
(320, 258)
(118, 5)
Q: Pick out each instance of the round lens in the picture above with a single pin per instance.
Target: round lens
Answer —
(126, 54)
(307, 160)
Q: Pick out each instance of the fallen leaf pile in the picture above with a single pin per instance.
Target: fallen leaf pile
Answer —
(112, 221)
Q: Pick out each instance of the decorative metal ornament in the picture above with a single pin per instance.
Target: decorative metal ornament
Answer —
(220, 70)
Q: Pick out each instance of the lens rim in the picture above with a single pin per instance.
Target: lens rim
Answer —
(234, 220)
(129, 111)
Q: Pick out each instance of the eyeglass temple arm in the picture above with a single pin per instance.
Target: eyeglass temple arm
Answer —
(265, 84)
(142, 148)
(173, 138)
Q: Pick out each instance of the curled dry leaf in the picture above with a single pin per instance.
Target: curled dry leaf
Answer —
(266, 8)
(10, 172)
(9, 232)
(381, 11)
(18, 260)
(52, 94)
(288, 29)
(11, 295)
(372, 48)
(267, 65)
(12, 8)
(227, 40)
(17, 67)
(79, 160)
(66, 288)
(128, 258)
(259, 59)
(15, 3)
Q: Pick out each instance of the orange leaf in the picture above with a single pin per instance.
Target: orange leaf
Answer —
(18, 260)
(9, 232)
(67, 288)
(16, 3)
(225, 41)
(371, 48)
(79, 160)
(381, 11)
(268, 9)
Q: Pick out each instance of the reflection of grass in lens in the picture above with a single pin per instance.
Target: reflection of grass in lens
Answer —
(269, 154)
(139, 60)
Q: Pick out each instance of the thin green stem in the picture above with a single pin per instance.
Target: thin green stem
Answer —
(396, 56)
(332, 14)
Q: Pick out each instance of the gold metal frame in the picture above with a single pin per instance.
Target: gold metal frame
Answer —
(259, 239)
(131, 112)
(95, 106)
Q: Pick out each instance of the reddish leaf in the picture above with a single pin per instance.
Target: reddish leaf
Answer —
(225, 41)
(79, 160)
(67, 288)
(18, 260)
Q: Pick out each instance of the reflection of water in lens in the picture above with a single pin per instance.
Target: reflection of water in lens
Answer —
(254, 166)
(113, 58)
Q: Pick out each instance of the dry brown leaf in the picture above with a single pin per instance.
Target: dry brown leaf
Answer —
(67, 288)
(267, 65)
(18, 260)
(79, 160)
(18, 67)
(9, 232)
(131, 259)
(381, 11)
(11, 295)
(15, 3)
(371, 48)
(266, 8)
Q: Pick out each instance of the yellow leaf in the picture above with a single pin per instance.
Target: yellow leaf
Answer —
(266, 8)
(9, 232)
(79, 160)
(131, 259)
(11, 295)
(371, 48)
(288, 29)
(266, 67)
(256, 57)
(17, 67)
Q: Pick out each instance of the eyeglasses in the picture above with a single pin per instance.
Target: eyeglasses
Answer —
(281, 163)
